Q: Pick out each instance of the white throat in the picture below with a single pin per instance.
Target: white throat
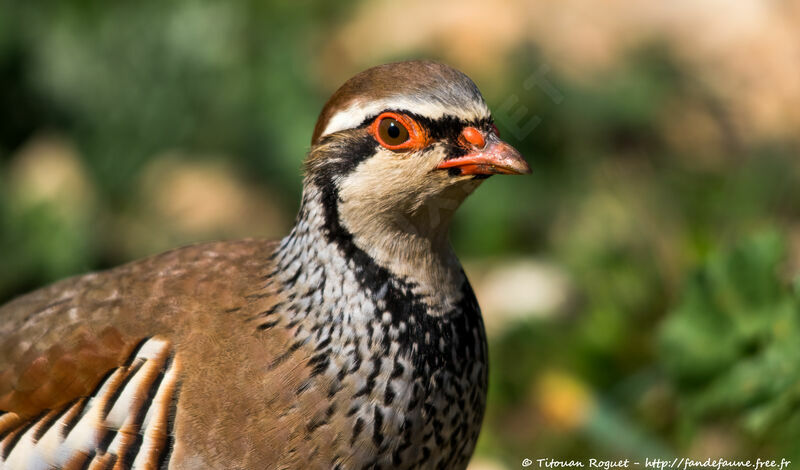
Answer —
(413, 248)
(412, 244)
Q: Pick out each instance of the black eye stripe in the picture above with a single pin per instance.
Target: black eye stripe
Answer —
(356, 147)
(446, 127)
(450, 127)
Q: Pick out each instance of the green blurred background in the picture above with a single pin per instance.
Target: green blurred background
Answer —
(640, 289)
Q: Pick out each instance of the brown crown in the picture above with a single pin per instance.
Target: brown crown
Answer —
(424, 79)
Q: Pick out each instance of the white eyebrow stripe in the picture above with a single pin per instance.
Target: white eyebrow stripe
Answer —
(353, 115)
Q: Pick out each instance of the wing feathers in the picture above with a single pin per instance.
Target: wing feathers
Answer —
(126, 422)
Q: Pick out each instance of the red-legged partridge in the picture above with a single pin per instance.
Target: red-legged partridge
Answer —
(355, 342)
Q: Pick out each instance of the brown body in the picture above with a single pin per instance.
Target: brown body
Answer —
(57, 343)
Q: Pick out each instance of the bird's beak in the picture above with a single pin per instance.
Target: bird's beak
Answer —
(494, 158)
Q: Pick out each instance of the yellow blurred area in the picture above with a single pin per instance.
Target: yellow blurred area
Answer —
(745, 51)
(49, 171)
(196, 198)
(563, 401)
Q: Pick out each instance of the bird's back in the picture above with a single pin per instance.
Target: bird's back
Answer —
(98, 366)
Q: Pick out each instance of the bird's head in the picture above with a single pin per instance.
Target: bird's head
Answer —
(399, 146)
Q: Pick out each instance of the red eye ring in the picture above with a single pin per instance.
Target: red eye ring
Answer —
(496, 130)
(417, 138)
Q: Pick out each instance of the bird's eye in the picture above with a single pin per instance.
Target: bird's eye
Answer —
(391, 132)
(398, 132)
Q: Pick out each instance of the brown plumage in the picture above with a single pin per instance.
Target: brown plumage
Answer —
(356, 342)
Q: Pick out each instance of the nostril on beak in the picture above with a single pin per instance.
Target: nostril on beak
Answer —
(474, 137)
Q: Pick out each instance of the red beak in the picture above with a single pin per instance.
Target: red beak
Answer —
(494, 158)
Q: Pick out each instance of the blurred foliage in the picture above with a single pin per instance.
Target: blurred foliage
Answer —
(130, 128)
(730, 344)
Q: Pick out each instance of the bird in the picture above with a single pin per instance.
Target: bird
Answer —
(354, 342)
